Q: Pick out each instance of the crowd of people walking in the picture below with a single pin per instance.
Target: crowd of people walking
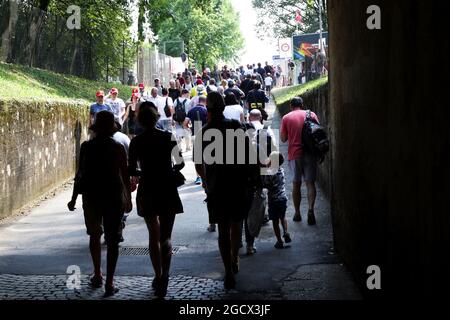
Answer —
(139, 144)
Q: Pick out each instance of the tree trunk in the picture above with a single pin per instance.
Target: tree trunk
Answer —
(33, 36)
(9, 32)
(37, 19)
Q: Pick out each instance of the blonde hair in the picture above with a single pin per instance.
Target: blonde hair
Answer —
(224, 83)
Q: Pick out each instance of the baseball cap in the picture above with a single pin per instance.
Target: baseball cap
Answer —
(199, 81)
(200, 88)
(231, 83)
(114, 91)
(141, 85)
(100, 93)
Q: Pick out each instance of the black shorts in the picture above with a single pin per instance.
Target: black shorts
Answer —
(277, 209)
(225, 211)
(98, 220)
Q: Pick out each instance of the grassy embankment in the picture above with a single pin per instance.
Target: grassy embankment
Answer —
(21, 82)
(284, 95)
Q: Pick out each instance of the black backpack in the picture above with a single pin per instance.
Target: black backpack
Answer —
(179, 114)
(314, 138)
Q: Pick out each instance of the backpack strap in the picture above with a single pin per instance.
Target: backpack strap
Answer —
(308, 114)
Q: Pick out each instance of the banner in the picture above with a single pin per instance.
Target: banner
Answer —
(306, 45)
(304, 51)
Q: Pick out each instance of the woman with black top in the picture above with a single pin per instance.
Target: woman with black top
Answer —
(132, 113)
(157, 197)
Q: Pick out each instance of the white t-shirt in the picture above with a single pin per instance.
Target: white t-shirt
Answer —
(145, 96)
(268, 81)
(188, 86)
(211, 88)
(160, 103)
(233, 112)
(118, 107)
(123, 140)
(263, 134)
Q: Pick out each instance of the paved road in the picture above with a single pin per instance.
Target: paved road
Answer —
(36, 250)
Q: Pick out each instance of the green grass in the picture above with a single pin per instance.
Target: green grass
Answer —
(283, 95)
(20, 82)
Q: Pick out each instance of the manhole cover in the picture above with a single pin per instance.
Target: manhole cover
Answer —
(141, 251)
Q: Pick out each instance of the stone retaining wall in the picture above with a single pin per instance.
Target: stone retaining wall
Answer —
(39, 145)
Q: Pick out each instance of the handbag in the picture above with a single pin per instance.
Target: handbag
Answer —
(167, 111)
(256, 214)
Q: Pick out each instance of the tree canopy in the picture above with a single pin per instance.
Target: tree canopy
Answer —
(209, 29)
(276, 18)
(34, 32)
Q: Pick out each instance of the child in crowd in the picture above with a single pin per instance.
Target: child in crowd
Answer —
(274, 182)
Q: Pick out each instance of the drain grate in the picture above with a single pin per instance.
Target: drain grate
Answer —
(133, 251)
(141, 251)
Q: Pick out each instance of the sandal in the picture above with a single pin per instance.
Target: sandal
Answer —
(96, 281)
(110, 290)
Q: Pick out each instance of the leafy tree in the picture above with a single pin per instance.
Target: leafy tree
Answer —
(276, 18)
(209, 29)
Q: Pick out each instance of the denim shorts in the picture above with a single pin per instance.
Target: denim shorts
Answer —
(303, 168)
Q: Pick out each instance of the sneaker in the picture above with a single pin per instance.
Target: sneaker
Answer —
(297, 218)
(251, 250)
(279, 245)
(212, 228)
(311, 218)
(198, 181)
(287, 237)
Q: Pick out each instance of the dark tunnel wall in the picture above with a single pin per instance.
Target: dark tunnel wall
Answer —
(391, 190)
